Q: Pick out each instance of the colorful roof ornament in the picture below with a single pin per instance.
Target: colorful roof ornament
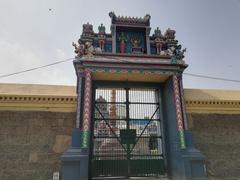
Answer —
(145, 21)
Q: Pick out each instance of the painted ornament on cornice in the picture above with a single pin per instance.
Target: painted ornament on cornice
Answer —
(177, 54)
(86, 50)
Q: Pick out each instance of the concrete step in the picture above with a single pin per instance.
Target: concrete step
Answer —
(132, 178)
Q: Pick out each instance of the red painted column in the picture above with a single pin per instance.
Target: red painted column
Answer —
(86, 122)
(185, 123)
(179, 115)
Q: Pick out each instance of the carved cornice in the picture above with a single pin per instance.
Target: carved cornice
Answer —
(68, 104)
(38, 103)
(213, 106)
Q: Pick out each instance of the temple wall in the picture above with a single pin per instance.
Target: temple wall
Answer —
(31, 143)
(36, 124)
(217, 136)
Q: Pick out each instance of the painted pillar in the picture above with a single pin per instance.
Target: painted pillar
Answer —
(148, 29)
(114, 37)
(86, 121)
(184, 162)
(75, 159)
(183, 103)
(179, 115)
(79, 98)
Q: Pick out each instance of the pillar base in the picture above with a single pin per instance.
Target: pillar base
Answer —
(75, 159)
(193, 161)
(194, 165)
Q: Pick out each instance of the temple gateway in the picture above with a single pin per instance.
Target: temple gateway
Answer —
(131, 119)
(128, 117)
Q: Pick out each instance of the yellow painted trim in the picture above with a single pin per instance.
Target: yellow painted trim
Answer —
(38, 103)
(24, 97)
(215, 106)
(212, 101)
(68, 104)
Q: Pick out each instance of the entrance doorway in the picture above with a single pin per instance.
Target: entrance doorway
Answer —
(127, 132)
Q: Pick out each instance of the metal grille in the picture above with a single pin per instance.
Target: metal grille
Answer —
(127, 138)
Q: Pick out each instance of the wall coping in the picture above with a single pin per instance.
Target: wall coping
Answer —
(57, 98)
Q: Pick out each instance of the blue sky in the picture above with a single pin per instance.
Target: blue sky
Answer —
(31, 35)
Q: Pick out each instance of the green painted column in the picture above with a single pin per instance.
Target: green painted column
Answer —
(79, 98)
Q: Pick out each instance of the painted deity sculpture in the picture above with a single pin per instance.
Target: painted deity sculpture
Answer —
(179, 53)
(136, 45)
(122, 44)
(135, 42)
(159, 44)
(159, 40)
(101, 37)
(79, 50)
(84, 49)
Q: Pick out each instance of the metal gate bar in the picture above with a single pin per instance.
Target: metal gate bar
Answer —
(127, 138)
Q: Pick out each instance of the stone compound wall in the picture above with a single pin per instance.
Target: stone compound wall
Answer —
(31, 143)
(218, 137)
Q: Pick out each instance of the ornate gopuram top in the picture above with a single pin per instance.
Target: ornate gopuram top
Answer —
(121, 20)
(129, 47)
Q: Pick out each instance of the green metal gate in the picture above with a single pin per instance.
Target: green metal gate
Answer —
(127, 134)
